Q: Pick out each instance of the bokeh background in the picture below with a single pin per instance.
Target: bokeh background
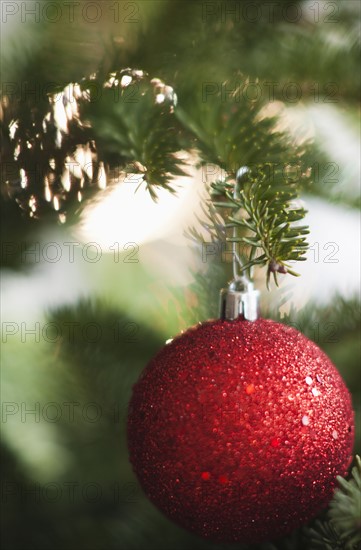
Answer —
(78, 327)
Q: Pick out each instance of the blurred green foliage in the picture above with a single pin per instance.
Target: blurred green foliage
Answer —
(188, 44)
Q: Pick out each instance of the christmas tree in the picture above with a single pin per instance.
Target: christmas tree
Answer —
(152, 151)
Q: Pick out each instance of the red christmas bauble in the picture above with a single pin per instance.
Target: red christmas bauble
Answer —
(237, 430)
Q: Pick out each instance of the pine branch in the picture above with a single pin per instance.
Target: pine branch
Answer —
(80, 138)
(345, 509)
(331, 181)
(263, 216)
(135, 126)
(337, 320)
(342, 527)
(269, 219)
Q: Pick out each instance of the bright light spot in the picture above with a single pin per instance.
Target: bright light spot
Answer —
(47, 192)
(127, 213)
(23, 178)
(17, 151)
(60, 117)
(56, 203)
(13, 126)
(159, 98)
(32, 203)
(125, 80)
(102, 177)
(65, 179)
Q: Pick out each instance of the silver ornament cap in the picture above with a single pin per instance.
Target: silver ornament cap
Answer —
(240, 299)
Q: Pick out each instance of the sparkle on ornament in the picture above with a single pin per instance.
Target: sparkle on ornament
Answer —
(205, 476)
(275, 442)
(249, 389)
(308, 380)
(335, 434)
(315, 392)
(305, 420)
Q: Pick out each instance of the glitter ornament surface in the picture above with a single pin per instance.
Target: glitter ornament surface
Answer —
(237, 430)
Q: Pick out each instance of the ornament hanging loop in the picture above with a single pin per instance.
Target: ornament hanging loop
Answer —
(241, 175)
(240, 299)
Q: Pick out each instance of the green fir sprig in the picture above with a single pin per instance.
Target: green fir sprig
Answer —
(263, 215)
(342, 527)
(267, 222)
